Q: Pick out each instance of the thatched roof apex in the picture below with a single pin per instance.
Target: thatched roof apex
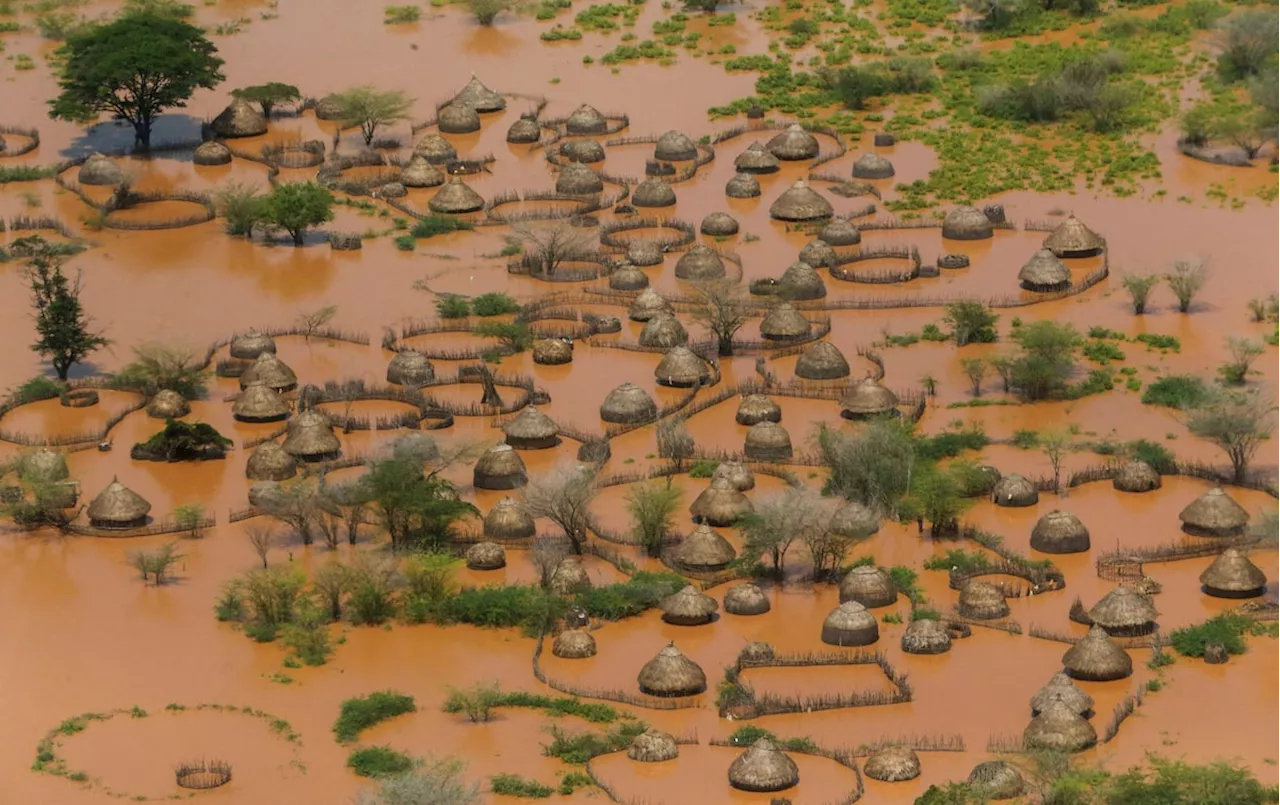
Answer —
(688, 606)
(648, 305)
(868, 397)
(259, 403)
(250, 345)
(1014, 490)
(996, 779)
(1232, 573)
(628, 404)
(531, 423)
(801, 281)
(455, 197)
(582, 151)
(211, 152)
(270, 371)
(705, 549)
(756, 159)
(868, 585)
(1059, 532)
(674, 146)
(653, 746)
(854, 520)
(100, 170)
(746, 599)
(509, 519)
(501, 460)
(784, 321)
(1214, 513)
(311, 435)
(653, 192)
(421, 173)
(742, 185)
(800, 202)
(479, 97)
(44, 464)
(1061, 686)
(681, 367)
(524, 131)
(841, 232)
(720, 504)
(671, 673)
(822, 360)
(1073, 238)
(168, 404)
(763, 767)
(626, 277)
(1058, 728)
(872, 166)
(644, 253)
(409, 367)
(239, 119)
(979, 599)
(850, 624)
(664, 330)
(736, 473)
(892, 764)
(486, 556)
(757, 408)
(768, 434)
(719, 225)
(577, 179)
(1124, 609)
(793, 143)
(435, 149)
(574, 644)
(270, 462)
(118, 504)
(926, 637)
(456, 118)
(1044, 271)
(967, 223)
(1097, 658)
(700, 262)
(586, 119)
(1136, 476)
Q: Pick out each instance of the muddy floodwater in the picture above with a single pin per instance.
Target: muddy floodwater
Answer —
(109, 683)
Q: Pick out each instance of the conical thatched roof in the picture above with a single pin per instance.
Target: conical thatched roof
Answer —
(268, 495)
(704, 549)
(869, 586)
(763, 767)
(499, 467)
(577, 179)
(983, 601)
(671, 674)
(552, 351)
(996, 779)
(757, 408)
(479, 97)
(1066, 691)
(680, 367)
(800, 202)
(1214, 514)
(435, 149)
(850, 624)
(531, 430)
(44, 465)
(841, 232)
(720, 504)
(1059, 729)
(872, 166)
(854, 520)
(736, 473)
(310, 436)
(801, 281)
(457, 119)
(98, 170)
(675, 147)
(818, 253)
(1232, 575)
(688, 607)
(742, 185)
(1014, 490)
(1073, 239)
(574, 644)
(1096, 658)
(653, 746)
(700, 262)
(746, 599)
(118, 506)
(1044, 272)
(1124, 611)
(663, 331)
(628, 404)
(644, 253)
(868, 398)
(586, 120)
(509, 520)
(211, 152)
(653, 192)
(756, 159)
(248, 346)
(421, 173)
(967, 223)
(524, 131)
(570, 576)
(794, 143)
(410, 368)
(892, 764)
(1059, 532)
(767, 441)
(822, 361)
(258, 403)
(486, 556)
(269, 462)
(626, 277)
(648, 305)
(168, 404)
(719, 225)
(582, 151)
(239, 119)
(1136, 476)
(270, 371)
(455, 197)
(926, 637)
(756, 652)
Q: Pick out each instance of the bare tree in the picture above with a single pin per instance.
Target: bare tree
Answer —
(975, 369)
(355, 518)
(781, 519)
(675, 442)
(1003, 366)
(262, 537)
(1139, 287)
(546, 555)
(156, 563)
(721, 306)
(1244, 351)
(332, 581)
(1055, 444)
(1236, 421)
(309, 321)
(329, 522)
(546, 248)
(564, 497)
(1185, 280)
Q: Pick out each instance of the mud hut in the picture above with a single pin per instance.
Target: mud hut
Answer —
(892, 764)
(1014, 491)
(248, 346)
(626, 277)
(742, 185)
(118, 506)
(457, 119)
(868, 399)
(756, 159)
(310, 437)
(270, 462)
(872, 166)
(822, 361)
(421, 173)
(719, 225)
(653, 192)
(653, 746)
(211, 152)
(704, 550)
(552, 351)
(477, 96)
(675, 147)
(1214, 514)
(328, 108)
(98, 170)
(435, 149)
(1136, 476)
(763, 767)
(1044, 272)
(576, 179)
(854, 521)
(410, 368)
(239, 119)
(44, 465)
(271, 372)
(841, 232)
(746, 599)
(767, 441)
(699, 263)
(850, 624)
(688, 607)
(800, 202)
(967, 223)
(574, 644)
(1073, 239)
(531, 430)
(258, 403)
(869, 586)
(524, 131)
(628, 404)
(499, 467)
(663, 331)
(757, 408)
(671, 673)
(586, 120)
(736, 473)
(793, 144)
(1059, 729)
(1096, 658)
(1232, 575)
(926, 637)
(801, 282)
(570, 577)
(582, 151)
(996, 779)
(720, 504)
(509, 520)
(486, 556)
(1059, 532)
(755, 652)
(818, 253)
(982, 601)
(168, 404)
(644, 253)
(1063, 689)
(784, 323)
(455, 198)
(1124, 612)
(681, 368)
(649, 305)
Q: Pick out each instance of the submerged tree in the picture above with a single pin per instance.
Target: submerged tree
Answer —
(1236, 421)
(652, 506)
(722, 308)
(872, 467)
(546, 248)
(1047, 359)
(564, 497)
(371, 109)
(268, 95)
(971, 322)
(779, 521)
(974, 369)
(160, 365)
(675, 442)
(296, 207)
(62, 327)
(1185, 280)
(431, 782)
(418, 509)
(1139, 287)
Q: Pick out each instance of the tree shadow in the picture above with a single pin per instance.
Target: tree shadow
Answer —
(116, 137)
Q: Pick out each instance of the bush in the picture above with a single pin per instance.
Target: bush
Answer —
(158, 366)
(513, 336)
(951, 443)
(1176, 391)
(528, 607)
(434, 225)
(240, 206)
(702, 468)
(641, 592)
(486, 11)
(1246, 43)
(1103, 352)
(362, 712)
(296, 207)
(477, 702)
(183, 441)
(395, 15)
(513, 785)
(453, 307)
(404, 243)
(1025, 439)
(378, 761)
(1228, 629)
(493, 304)
(1154, 454)
(581, 747)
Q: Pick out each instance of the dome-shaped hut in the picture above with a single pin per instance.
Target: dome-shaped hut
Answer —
(996, 779)
(626, 277)
(872, 166)
(756, 159)
(892, 764)
(663, 331)
(211, 152)
(1058, 729)
(1232, 575)
(800, 202)
(411, 368)
(552, 351)
(854, 521)
(793, 144)
(1214, 514)
(850, 624)
(570, 577)
(982, 601)
(435, 149)
(868, 399)
(486, 556)
(1063, 689)
(270, 462)
(98, 170)
(392, 190)
(841, 232)
(168, 404)
(763, 767)
(644, 253)
(653, 746)
(801, 282)
(681, 368)
(675, 147)
(1014, 491)
(524, 131)
(818, 253)
(1044, 272)
(967, 223)
(586, 120)
(767, 441)
(757, 408)
(784, 323)
(648, 305)
(239, 119)
(1073, 239)
(268, 495)
(822, 361)
(746, 599)
(310, 437)
(257, 403)
(479, 97)
(926, 637)
(700, 262)
(742, 185)
(653, 192)
(455, 197)
(271, 372)
(869, 586)
(719, 225)
(1059, 532)
(688, 607)
(44, 465)
(421, 173)
(628, 404)
(576, 179)
(118, 506)
(755, 653)
(736, 473)
(509, 520)
(455, 118)
(248, 346)
(531, 430)
(499, 467)
(574, 644)
(704, 550)
(1124, 612)
(1136, 476)
(671, 673)
(328, 108)
(1096, 658)
(720, 504)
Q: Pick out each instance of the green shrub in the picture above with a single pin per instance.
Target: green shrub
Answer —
(1025, 439)
(513, 785)
(183, 441)
(960, 559)
(1102, 352)
(1228, 629)
(750, 733)
(1160, 342)
(378, 761)
(493, 304)
(434, 225)
(528, 607)
(702, 468)
(951, 443)
(573, 781)
(35, 389)
(1176, 391)
(395, 15)
(453, 307)
(641, 592)
(362, 712)
(578, 748)
(405, 243)
(1153, 453)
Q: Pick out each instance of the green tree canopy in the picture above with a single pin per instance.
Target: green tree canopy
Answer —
(296, 207)
(268, 95)
(62, 327)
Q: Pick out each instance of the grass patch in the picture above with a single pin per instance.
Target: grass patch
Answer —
(24, 173)
(963, 561)
(397, 15)
(1176, 391)
(378, 761)
(749, 734)
(578, 748)
(513, 785)
(362, 712)
(434, 225)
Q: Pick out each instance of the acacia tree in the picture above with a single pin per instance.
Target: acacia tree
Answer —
(134, 68)
(780, 520)
(971, 322)
(63, 329)
(1185, 280)
(417, 509)
(975, 369)
(545, 248)
(296, 207)
(1236, 421)
(652, 506)
(371, 109)
(1139, 287)
(564, 497)
(1055, 444)
(268, 95)
(722, 308)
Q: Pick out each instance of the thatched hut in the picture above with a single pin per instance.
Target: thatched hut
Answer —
(801, 282)
(869, 586)
(756, 652)
(1124, 612)
(653, 746)
(1063, 689)
(720, 504)
(1044, 272)
(44, 465)
(926, 637)
(168, 404)
(688, 607)
(757, 408)
(1059, 532)
(98, 170)
(310, 437)
(531, 430)
(118, 506)
(248, 346)
(486, 556)
(1136, 476)
(628, 404)
(626, 277)
(421, 173)
(850, 624)
(524, 131)
(552, 351)
(736, 473)
(746, 599)
(719, 225)
(268, 495)
(675, 147)
(1214, 514)
(653, 192)
(967, 223)
(576, 179)
(570, 577)
(767, 441)
(700, 262)
(756, 159)
(415, 446)
(681, 368)
(982, 601)
(704, 550)
(892, 764)
(800, 202)
(841, 232)
(457, 119)
(271, 372)
(435, 149)
(499, 467)
(818, 253)
(586, 120)
(455, 197)
(410, 368)
(257, 403)
(1096, 658)
(671, 673)
(574, 644)
(479, 97)
(854, 521)
(648, 305)
(763, 767)
(211, 152)
(868, 399)
(1073, 239)
(328, 108)
(793, 144)
(784, 323)
(644, 253)
(663, 331)
(509, 520)
(742, 185)
(996, 779)
(239, 119)
(1232, 575)
(392, 190)
(270, 462)
(872, 166)
(822, 360)
(1058, 729)
(1014, 491)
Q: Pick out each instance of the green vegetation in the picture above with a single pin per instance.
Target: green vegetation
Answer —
(493, 304)
(378, 761)
(604, 16)
(478, 701)
(578, 748)
(1176, 391)
(703, 468)
(363, 712)
(183, 441)
(397, 15)
(647, 49)
(268, 95)
(749, 734)
(371, 109)
(296, 207)
(1159, 342)
(417, 510)
(513, 785)
(1238, 422)
(453, 307)
(1229, 629)
(513, 337)
(652, 507)
(1102, 352)
(63, 329)
(963, 561)
(971, 323)
(434, 225)
(24, 173)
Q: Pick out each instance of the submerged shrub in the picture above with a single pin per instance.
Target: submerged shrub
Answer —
(362, 712)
